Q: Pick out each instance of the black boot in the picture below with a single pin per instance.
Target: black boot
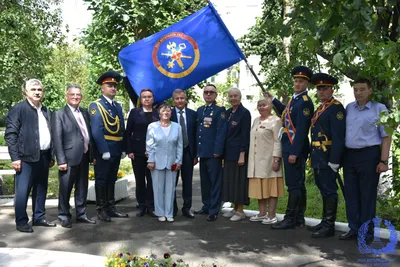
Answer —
(328, 226)
(112, 211)
(290, 217)
(319, 226)
(101, 203)
(301, 209)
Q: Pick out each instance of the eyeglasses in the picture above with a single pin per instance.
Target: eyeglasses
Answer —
(75, 95)
(209, 92)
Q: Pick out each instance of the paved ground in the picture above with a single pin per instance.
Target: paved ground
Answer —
(196, 241)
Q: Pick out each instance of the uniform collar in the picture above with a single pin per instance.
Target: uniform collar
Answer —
(108, 99)
(296, 95)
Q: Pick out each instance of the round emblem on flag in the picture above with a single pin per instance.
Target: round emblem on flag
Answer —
(306, 112)
(339, 115)
(176, 55)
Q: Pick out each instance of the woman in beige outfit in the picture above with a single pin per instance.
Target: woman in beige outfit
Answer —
(264, 169)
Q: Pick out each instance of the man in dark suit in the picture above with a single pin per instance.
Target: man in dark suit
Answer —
(296, 117)
(71, 135)
(108, 127)
(187, 118)
(211, 133)
(28, 136)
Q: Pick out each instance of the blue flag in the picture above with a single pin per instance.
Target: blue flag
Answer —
(181, 55)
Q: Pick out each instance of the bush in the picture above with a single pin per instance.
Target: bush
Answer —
(2, 141)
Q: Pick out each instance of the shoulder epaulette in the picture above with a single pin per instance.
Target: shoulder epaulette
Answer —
(336, 102)
(97, 100)
(305, 98)
(218, 105)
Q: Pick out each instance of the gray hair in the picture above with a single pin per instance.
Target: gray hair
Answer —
(237, 90)
(178, 91)
(31, 82)
(266, 100)
(72, 85)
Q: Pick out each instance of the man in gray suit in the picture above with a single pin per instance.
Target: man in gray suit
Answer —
(71, 134)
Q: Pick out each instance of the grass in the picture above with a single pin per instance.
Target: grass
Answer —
(52, 191)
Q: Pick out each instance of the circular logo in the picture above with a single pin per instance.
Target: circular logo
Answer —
(176, 55)
(306, 112)
(339, 115)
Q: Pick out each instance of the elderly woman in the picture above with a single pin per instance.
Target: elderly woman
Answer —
(264, 171)
(164, 146)
(235, 184)
(138, 121)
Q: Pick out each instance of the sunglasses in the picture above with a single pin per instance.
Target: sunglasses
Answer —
(209, 92)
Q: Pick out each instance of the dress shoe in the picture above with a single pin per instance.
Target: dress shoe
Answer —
(188, 214)
(212, 217)
(141, 213)
(85, 220)
(113, 212)
(66, 223)
(200, 211)
(350, 235)
(25, 228)
(44, 223)
(315, 228)
(151, 213)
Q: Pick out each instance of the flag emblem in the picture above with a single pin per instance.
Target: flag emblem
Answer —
(176, 55)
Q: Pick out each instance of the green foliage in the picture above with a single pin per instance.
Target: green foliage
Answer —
(356, 38)
(2, 141)
(116, 24)
(28, 31)
(68, 64)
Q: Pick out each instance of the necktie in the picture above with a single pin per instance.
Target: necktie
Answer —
(83, 130)
(183, 126)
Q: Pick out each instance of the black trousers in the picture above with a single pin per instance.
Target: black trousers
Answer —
(187, 179)
(144, 184)
(78, 176)
(105, 171)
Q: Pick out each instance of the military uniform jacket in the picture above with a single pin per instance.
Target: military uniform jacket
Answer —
(108, 127)
(301, 110)
(211, 130)
(328, 126)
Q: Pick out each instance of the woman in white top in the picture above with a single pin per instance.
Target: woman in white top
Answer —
(264, 169)
(164, 146)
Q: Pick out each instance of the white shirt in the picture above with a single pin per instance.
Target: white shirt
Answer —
(44, 131)
(109, 100)
(296, 95)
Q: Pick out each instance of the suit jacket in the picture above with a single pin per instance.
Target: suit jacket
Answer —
(191, 120)
(136, 130)
(238, 133)
(107, 136)
(211, 130)
(164, 150)
(264, 145)
(301, 111)
(22, 132)
(67, 136)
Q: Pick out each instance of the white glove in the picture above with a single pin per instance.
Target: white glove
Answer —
(123, 155)
(334, 167)
(106, 155)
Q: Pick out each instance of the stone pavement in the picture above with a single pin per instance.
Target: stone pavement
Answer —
(196, 241)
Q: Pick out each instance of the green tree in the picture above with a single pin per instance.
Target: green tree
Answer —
(356, 38)
(68, 64)
(118, 23)
(28, 31)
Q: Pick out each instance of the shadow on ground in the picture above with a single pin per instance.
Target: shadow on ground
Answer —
(196, 241)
